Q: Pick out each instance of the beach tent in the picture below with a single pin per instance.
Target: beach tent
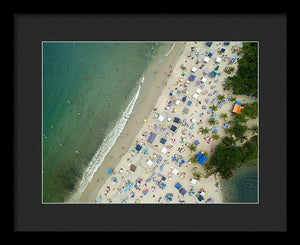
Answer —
(175, 171)
(195, 96)
(196, 142)
(164, 150)
(200, 198)
(160, 118)
(193, 181)
(151, 137)
(218, 60)
(204, 79)
(206, 59)
(208, 44)
(222, 50)
(226, 43)
(182, 191)
(194, 69)
(138, 147)
(198, 91)
(213, 74)
(237, 109)
(176, 119)
(206, 71)
(177, 102)
(191, 78)
(178, 186)
(162, 140)
(173, 128)
(149, 163)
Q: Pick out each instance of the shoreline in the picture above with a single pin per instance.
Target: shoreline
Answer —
(156, 95)
(150, 91)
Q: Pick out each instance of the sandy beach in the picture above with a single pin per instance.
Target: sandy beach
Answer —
(150, 174)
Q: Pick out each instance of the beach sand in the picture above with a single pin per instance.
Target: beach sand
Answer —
(112, 188)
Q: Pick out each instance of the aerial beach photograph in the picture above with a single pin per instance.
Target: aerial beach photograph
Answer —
(156, 122)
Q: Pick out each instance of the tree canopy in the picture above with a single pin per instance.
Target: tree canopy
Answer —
(245, 81)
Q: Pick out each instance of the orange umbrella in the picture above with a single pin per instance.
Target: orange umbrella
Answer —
(236, 48)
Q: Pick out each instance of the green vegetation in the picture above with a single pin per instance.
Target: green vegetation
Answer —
(192, 147)
(204, 131)
(228, 157)
(197, 176)
(245, 81)
(251, 110)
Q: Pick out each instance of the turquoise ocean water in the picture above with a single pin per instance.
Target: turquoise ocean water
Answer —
(242, 187)
(86, 88)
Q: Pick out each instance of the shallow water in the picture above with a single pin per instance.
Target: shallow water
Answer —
(86, 89)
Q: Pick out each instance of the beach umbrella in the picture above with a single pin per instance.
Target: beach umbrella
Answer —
(109, 171)
(170, 94)
(169, 74)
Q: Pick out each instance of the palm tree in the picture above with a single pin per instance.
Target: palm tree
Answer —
(214, 108)
(224, 116)
(233, 99)
(216, 136)
(205, 154)
(221, 97)
(192, 147)
(194, 160)
(212, 121)
(197, 176)
(231, 69)
(205, 131)
(242, 138)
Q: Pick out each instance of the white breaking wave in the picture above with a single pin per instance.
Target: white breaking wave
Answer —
(105, 147)
(170, 49)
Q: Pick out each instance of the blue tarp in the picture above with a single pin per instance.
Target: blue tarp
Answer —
(173, 128)
(200, 198)
(226, 43)
(162, 140)
(208, 44)
(178, 186)
(201, 159)
(239, 103)
(182, 191)
(176, 119)
(151, 137)
(191, 78)
(138, 147)
(213, 74)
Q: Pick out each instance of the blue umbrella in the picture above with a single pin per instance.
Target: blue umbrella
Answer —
(109, 171)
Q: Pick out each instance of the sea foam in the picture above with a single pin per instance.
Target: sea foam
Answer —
(105, 147)
(173, 46)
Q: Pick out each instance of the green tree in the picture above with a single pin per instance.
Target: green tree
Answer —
(224, 116)
(192, 147)
(216, 136)
(245, 80)
(221, 97)
(204, 131)
(212, 121)
(194, 160)
(197, 176)
(251, 110)
(214, 108)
